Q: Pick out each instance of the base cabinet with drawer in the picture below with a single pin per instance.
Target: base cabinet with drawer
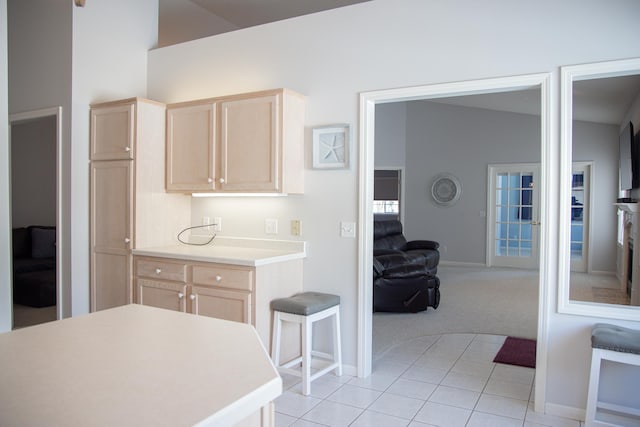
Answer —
(224, 291)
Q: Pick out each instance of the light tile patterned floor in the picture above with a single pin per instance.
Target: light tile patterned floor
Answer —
(445, 380)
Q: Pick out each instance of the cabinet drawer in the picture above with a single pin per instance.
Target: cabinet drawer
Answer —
(223, 276)
(156, 269)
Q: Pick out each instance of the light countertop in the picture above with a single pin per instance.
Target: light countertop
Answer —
(134, 365)
(228, 250)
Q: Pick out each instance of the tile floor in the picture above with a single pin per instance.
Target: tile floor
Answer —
(445, 380)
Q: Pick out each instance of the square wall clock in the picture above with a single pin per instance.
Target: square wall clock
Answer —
(331, 147)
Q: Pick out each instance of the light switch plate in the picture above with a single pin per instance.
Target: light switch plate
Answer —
(296, 227)
(347, 229)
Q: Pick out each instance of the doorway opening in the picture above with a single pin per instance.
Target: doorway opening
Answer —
(368, 101)
(512, 220)
(35, 144)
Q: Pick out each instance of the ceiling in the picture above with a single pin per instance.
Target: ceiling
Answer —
(184, 20)
(605, 100)
(599, 100)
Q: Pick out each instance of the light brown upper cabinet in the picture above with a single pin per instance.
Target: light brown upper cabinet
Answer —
(252, 142)
(191, 142)
(112, 132)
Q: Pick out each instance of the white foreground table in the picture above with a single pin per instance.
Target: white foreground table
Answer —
(136, 365)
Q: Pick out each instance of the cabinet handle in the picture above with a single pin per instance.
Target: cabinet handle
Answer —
(180, 295)
(221, 180)
(158, 271)
(218, 278)
(192, 297)
(127, 240)
(209, 180)
(127, 149)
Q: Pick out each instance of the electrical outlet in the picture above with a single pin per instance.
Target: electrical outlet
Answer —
(271, 226)
(347, 229)
(206, 221)
(296, 227)
(217, 224)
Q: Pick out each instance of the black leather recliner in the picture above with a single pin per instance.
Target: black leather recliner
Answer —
(404, 273)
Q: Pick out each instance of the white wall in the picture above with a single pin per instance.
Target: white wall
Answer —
(40, 77)
(33, 172)
(333, 56)
(599, 143)
(5, 209)
(463, 141)
(110, 42)
(61, 55)
(391, 135)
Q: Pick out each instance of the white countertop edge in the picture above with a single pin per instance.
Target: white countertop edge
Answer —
(249, 262)
(245, 406)
(283, 250)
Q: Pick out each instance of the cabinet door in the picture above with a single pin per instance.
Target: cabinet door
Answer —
(249, 144)
(221, 304)
(111, 233)
(110, 280)
(112, 132)
(111, 205)
(169, 295)
(191, 155)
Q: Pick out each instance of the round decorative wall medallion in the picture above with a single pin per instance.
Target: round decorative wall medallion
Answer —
(445, 189)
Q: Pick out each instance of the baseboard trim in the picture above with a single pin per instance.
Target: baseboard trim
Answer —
(565, 411)
(462, 264)
(603, 273)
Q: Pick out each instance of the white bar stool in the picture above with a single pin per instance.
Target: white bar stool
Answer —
(617, 344)
(306, 308)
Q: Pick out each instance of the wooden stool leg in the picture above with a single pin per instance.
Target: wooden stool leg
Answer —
(337, 343)
(307, 340)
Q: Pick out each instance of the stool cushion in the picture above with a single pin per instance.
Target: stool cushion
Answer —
(305, 303)
(615, 338)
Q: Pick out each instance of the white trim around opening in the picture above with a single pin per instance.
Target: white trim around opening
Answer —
(368, 101)
(34, 115)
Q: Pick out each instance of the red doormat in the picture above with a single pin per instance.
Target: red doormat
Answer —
(517, 351)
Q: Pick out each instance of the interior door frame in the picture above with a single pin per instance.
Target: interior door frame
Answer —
(26, 117)
(491, 205)
(367, 104)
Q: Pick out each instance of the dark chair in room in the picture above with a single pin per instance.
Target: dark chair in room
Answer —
(404, 272)
(34, 266)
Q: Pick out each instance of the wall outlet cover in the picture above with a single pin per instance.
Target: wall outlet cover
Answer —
(271, 226)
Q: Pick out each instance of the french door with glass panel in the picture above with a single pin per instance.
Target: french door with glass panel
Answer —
(513, 211)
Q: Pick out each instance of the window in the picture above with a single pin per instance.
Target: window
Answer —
(386, 193)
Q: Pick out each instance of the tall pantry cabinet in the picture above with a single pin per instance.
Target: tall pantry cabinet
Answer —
(129, 205)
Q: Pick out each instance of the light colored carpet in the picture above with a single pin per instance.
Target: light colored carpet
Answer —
(604, 288)
(480, 300)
